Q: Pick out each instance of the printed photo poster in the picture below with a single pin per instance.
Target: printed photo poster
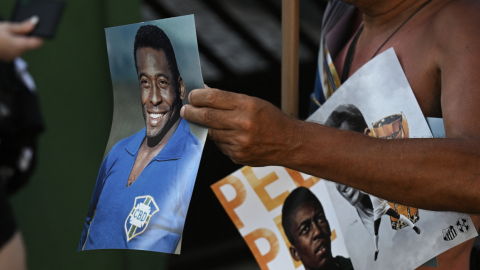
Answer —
(378, 101)
(146, 179)
(265, 202)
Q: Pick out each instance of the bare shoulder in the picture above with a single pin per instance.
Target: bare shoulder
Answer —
(457, 11)
(455, 30)
(456, 23)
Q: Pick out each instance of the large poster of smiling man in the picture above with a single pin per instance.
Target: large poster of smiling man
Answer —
(146, 179)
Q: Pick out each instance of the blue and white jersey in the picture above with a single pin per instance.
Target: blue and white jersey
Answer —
(150, 213)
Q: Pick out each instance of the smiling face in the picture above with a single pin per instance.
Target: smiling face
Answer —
(311, 234)
(158, 90)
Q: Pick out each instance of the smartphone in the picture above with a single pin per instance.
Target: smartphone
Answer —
(48, 11)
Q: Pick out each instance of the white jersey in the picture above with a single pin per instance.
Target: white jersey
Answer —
(380, 207)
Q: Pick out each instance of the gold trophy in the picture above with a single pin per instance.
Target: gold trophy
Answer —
(395, 126)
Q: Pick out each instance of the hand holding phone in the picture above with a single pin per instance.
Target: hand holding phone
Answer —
(14, 40)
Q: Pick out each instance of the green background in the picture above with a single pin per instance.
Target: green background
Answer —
(73, 81)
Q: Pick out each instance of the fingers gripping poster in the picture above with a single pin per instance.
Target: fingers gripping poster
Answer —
(146, 179)
(294, 221)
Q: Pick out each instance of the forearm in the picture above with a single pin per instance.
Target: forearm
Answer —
(435, 174)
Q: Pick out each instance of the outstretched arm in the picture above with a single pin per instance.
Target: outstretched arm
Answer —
(436, 174)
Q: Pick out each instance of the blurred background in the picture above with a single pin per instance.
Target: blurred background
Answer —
(240, 51)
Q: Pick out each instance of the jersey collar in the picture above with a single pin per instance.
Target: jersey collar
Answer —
(173, 149)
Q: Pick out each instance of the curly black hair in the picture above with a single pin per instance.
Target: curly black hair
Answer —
(151, 36)
(347, 113)
(298, 197)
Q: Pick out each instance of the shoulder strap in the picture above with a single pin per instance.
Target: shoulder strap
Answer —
(349, 58)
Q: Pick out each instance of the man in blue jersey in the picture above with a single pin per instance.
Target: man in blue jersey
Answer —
(146, 181)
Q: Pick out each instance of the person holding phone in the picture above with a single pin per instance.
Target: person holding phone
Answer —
(14, 40)
(16, 152)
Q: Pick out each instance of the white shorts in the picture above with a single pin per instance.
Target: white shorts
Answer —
(380, 207)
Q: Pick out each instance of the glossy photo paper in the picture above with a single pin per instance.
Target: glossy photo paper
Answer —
(146, 179)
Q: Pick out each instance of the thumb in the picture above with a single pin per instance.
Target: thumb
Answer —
(24, 27)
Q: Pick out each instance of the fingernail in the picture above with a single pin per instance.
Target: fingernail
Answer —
(189, 94)
(182, 110)
(34, 19)
(206, 86)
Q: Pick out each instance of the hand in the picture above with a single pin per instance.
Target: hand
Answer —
(249, 130)
(13, 39)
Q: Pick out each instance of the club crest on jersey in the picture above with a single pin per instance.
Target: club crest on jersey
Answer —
(137, 221)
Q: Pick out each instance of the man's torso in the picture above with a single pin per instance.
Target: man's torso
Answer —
(419, 46)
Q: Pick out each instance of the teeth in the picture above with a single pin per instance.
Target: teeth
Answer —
(156, 115)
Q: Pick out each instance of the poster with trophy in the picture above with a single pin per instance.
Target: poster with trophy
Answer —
(294, 221)
(377, 101)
